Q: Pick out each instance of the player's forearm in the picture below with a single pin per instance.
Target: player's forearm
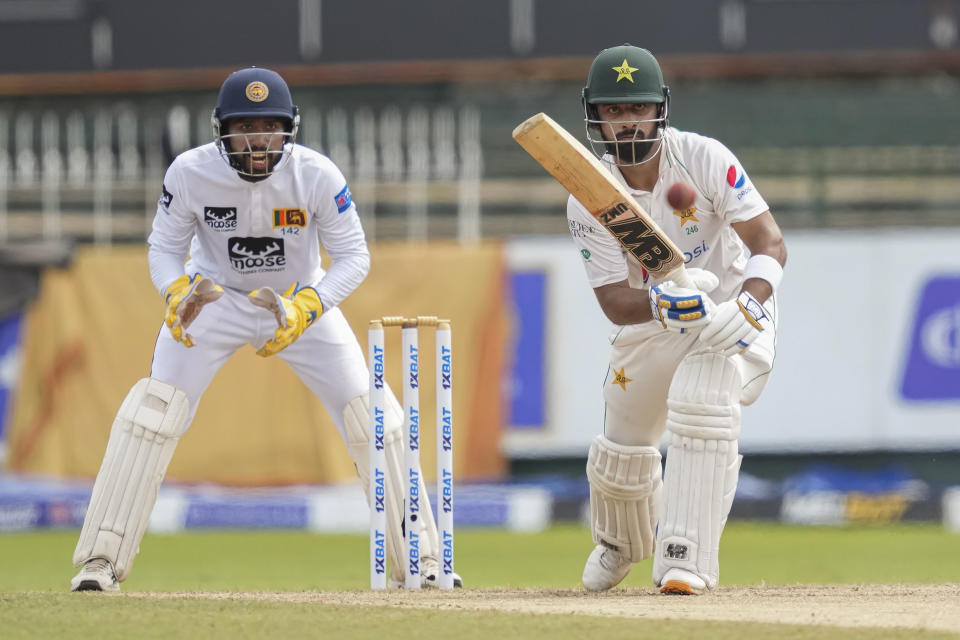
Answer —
(343, 277)
(768, 253)
(623, 304)
(165, 267)
(758, 288)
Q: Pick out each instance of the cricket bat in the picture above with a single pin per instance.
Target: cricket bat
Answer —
(587, 180)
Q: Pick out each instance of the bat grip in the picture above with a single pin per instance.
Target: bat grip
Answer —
(681, 277)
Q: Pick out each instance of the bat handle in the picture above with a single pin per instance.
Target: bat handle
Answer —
(681, 277)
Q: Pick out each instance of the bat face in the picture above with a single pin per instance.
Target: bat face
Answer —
(587, 180)
(641, 239)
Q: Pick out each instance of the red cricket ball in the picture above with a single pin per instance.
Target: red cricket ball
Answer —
(680, 195)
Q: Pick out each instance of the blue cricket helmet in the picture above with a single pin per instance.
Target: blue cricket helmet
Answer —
(254, 93)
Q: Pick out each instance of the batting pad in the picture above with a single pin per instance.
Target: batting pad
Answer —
(142, 440)
(703, 464)
(356, 418)
(624, 496)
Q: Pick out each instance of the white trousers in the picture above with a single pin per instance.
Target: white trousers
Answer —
(643, 359)
(327, 357)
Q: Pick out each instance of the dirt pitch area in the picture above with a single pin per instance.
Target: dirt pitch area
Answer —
(929, 607)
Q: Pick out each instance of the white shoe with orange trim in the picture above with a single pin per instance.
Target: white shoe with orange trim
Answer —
(679, 582)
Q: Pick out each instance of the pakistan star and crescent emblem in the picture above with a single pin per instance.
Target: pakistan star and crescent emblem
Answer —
(620, 378)
(624, 71)
(687, 215)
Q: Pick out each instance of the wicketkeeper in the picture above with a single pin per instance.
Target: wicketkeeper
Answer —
(235, 253)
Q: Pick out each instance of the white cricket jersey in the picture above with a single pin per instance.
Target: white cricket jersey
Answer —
(724, 195)
(246, 235)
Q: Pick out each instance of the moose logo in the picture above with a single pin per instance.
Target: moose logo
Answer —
(220, 218)
(254, 255)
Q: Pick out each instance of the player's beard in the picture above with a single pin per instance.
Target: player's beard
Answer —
(632, 150)
(258, 164)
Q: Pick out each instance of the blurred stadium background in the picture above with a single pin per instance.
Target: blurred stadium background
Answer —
(844, 112)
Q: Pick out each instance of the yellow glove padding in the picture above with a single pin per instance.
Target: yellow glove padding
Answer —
(185, 298)
(295, 310)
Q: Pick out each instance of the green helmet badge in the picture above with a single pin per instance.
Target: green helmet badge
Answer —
(625, 74)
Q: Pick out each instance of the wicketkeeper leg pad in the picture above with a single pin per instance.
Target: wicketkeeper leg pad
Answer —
(356, 418)
(703, 463)
(625, 488)
(142, 440)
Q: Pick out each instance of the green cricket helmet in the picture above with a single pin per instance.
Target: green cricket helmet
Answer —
(625, 75)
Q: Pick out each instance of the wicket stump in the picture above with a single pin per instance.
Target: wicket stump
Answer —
(409, 329)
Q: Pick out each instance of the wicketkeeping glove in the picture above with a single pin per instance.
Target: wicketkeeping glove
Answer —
(680, 309)
(295, 310)
(735, 325)
(185, 298)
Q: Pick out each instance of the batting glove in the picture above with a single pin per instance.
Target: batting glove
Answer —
(735, 325)
(295, 310)
(681, 309)
(185, 297)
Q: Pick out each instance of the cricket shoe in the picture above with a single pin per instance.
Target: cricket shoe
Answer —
(679, 582)
(605, 569)
(97, 574)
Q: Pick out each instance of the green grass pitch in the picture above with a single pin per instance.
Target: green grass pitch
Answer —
(36, 570)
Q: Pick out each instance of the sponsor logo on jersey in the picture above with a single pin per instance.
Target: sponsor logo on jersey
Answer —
(220, 218)
(736, 178)
(696, 252)
(256, 255)
(932, 371)
(585, 253)
(165, 197)
(344, 199)
(289, 218)
(579, 230)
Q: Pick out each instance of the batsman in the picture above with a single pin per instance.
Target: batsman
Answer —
(235, 254)
(683, 360)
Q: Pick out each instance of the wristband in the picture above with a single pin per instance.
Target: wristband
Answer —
(764, 267)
